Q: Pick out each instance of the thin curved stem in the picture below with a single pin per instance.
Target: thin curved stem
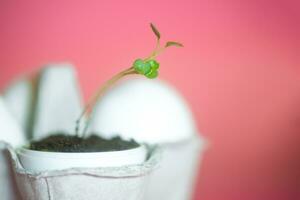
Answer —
(155, 53)
(89, 107)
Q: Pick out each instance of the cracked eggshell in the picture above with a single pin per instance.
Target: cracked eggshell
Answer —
(147, 110)
(58, 103)
(10, 131)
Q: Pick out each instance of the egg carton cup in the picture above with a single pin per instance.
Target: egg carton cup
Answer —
(109, 183)
(8, 185)
(175, 178)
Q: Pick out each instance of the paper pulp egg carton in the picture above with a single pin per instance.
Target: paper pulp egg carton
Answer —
(31, 109)
(149, 111)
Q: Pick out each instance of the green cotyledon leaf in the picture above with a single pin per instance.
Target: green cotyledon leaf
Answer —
(154, 64)
(152, 74)
(141, 67)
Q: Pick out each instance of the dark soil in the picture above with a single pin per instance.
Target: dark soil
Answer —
(93, 143)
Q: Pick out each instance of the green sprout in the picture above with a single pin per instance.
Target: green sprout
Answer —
(148, 67)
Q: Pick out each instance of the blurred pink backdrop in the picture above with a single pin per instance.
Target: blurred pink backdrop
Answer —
(239, 70)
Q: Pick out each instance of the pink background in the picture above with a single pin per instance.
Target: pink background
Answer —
(239, 70)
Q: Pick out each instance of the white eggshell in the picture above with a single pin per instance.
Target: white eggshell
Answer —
(39, 161)
(58, 103)
(147, 110)
(10, 131)
(18, 98)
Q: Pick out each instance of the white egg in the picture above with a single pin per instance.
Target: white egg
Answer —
(147, 110)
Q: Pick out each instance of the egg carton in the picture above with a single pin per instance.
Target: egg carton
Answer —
(31, 108)
(109, 183)
(178, 169)
(171, 179)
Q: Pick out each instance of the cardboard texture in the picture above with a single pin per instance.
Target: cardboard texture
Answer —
(8, 186)
(172, 179)
(10, 132)
(175, 178)
(111, 183)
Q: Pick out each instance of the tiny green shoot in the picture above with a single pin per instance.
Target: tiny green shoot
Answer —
(147, 67)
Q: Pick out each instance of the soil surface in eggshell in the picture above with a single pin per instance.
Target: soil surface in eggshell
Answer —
(68, 143)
